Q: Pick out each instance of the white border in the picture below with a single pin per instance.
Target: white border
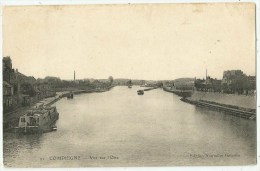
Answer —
(80, 2)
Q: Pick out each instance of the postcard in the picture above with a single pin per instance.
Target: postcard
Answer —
(129, 85)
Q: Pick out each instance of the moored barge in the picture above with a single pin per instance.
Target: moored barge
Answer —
(38, 120)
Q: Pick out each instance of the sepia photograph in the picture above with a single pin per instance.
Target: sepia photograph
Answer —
(129, 85)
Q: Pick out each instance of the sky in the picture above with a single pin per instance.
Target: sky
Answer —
(149, 41)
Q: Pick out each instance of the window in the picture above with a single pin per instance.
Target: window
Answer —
(22, 119)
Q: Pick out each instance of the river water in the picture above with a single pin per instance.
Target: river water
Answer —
(121, 128)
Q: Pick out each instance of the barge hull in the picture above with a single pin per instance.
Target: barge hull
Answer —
(48, 127)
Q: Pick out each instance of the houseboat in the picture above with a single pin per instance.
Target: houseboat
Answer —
(140, 92)
(38, 120)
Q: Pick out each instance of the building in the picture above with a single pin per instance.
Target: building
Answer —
(230, 75)
(209, 84)
(18, 89)
(7, 96)
(8, 71)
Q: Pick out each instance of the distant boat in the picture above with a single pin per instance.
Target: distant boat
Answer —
(129, 83)
(140, 92)
(70, 95)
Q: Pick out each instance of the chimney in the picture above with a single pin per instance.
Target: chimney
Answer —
(206, 74)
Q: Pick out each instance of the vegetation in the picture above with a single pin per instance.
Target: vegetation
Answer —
(28, 89)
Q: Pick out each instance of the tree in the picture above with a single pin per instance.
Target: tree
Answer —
(129, 82)
(28, 89)
(216, 84)
(159, 84)
(239, 84)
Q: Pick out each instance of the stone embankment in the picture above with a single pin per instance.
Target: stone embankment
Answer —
(242, 101)
(152, 88)
(237, 105)
(181, 93)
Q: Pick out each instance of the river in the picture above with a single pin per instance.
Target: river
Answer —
(121, 128)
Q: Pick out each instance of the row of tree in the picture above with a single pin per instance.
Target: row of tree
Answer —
(57, 83)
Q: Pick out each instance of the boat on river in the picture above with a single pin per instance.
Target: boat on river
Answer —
(140, 92)
(129, 83)
(38, 120)
(70, 95)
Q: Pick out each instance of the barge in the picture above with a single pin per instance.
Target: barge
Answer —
(70, 95)
(38, 120)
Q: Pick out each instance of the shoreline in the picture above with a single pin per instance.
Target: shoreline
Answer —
(231, 110)
(181, 93)
(11, 121)
(206, 100)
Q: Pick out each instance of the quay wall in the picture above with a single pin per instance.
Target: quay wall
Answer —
(148, 89)
(227, 99)
(181, 93)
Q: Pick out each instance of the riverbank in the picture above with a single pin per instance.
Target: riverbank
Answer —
(181, 93)
(229, 109)
(152, 88)
(238, 105)
(242, 101)
(11, 119)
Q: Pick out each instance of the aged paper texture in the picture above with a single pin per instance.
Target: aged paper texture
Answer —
(129, 85)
